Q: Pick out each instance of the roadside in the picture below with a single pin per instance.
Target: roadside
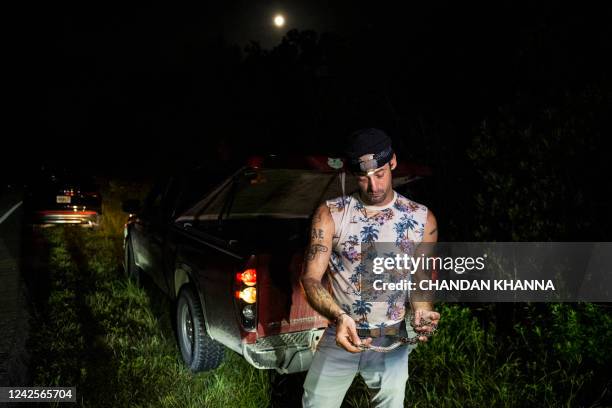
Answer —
(14, 315)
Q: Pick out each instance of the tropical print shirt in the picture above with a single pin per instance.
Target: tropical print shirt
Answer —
(402, 222)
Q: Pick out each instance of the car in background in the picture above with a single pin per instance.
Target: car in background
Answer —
(229, 253)
(62, 197)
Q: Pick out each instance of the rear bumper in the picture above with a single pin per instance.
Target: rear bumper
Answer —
(287, 353)
(84, 218)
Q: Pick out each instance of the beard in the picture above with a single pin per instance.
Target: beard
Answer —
(374, 198)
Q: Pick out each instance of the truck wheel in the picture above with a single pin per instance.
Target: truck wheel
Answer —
(200, 352)
(131, 269)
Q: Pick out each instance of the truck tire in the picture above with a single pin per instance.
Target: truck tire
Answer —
(131, 269)
(199, 351)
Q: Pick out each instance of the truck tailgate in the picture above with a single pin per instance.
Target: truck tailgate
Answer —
(282, 305)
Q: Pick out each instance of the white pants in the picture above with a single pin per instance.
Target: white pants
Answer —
(333, 370)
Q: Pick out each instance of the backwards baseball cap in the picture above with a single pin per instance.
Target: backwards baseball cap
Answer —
(368, 150)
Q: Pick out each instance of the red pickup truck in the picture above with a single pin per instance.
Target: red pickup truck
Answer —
(231, 256)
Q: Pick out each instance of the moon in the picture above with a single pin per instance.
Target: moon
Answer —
(279, 20)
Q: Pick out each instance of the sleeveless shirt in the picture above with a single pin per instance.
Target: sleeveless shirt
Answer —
(402, 222)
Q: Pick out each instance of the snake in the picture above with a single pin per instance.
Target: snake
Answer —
(404, 340)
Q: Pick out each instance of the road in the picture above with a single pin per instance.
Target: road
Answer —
(13, 310)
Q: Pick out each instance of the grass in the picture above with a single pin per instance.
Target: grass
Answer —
(114, 341)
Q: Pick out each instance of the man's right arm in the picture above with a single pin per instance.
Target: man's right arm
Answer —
(316, 261)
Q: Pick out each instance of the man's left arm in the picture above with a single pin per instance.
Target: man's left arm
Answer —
(425, 309)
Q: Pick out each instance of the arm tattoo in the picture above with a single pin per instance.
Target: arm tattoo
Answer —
(317, 233)
(434, 231)
(313, 250)
(320, 299)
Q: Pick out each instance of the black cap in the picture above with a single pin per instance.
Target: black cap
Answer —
(372, 142)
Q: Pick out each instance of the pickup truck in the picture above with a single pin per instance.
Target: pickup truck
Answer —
(230, 255)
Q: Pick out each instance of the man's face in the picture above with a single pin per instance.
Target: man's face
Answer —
(376, 186)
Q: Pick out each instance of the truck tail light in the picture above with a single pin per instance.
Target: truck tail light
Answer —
(249, 295)
(248, 277)
(248, 312)
(245, 292)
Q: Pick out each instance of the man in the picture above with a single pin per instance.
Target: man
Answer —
(375, 213)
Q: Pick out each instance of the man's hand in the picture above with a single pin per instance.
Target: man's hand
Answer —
(346, 335)
(424, 314)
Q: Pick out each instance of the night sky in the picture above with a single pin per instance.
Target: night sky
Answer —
(111, 88)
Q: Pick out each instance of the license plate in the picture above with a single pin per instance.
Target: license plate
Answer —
(62, 199)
